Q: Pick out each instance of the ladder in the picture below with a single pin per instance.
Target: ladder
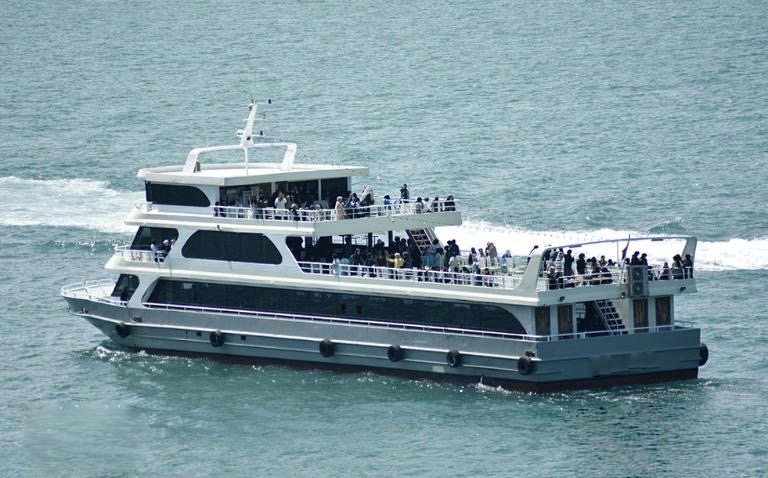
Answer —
(422, 237)
(610, 316)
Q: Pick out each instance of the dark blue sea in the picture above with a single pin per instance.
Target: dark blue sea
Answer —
(549, 122)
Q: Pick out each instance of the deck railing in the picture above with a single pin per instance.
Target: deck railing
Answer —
(87, 290)
(498, 277)
(320, 214)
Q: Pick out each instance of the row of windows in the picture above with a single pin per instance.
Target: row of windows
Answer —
(302, 191)
(379, 308)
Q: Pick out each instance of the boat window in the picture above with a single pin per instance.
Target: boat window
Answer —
(378, 308)
(244, 195)
(542, 321)
(145, 235)
(663, 311)
(640, 309)
(332, 188)
(175, 195)
(231, 246)
(303, 193)
(125, 286)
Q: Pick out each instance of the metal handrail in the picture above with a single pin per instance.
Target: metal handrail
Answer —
(499, 277)
(397, 208)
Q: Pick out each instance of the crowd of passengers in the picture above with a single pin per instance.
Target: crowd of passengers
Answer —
(559, 268)
(287, 207)
(434, 263)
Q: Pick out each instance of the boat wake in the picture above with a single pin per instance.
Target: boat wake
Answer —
(92, 204)
(80, 203)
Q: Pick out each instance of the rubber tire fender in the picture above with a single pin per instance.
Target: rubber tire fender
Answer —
(123, 329)
(525, 365)
(453, 357)
(703, 354)
(216, 338)
(395, 353)
(327, 348)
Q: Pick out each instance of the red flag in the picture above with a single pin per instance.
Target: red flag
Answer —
(624, 251)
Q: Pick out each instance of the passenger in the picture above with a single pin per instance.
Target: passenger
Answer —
(281, 201)
(418, 207)
(493, 255)
(605, 275)
(552, 276)
(437, 263)
(677, 267)
(450, 205)
(664, 272)
(635, 261)
(487, 278)
(581, 265)
(369, 265)
(429, 254)
(404, 194)
(166, 249)
(415, 254)
(339, 208)
(568, 264)
(397, 262)
(154, 252)
(435, 207)
(688, 267)
(353, 206)
(387, 202)
(472, 258)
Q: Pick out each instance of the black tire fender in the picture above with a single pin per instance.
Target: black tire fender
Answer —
(395, 353)
(327, 348)
(453, 357)
(123, 329)
(216, 338)
(525, 365)
(703, 354)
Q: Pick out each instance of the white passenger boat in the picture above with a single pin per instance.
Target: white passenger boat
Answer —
(215, 269)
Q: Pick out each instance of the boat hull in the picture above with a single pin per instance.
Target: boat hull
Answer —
(454, 356)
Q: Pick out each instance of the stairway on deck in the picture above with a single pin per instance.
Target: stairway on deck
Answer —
(611, 316)
(422, 237)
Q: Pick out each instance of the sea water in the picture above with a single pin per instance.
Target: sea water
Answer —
(550, 122)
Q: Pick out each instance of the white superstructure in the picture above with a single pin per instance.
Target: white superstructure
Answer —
(275, 261)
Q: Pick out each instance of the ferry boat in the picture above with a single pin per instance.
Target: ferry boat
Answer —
(224, 264)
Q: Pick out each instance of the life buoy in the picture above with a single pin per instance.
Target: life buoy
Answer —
(453, 358)
(327, 348)
(123, 329)
(525, 365)
(216, 338)
(703, 354)
(395, 353)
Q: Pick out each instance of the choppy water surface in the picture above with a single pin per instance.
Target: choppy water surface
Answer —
(550, 122)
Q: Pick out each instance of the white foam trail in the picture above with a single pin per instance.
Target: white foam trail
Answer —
(716, 256)
(66, 203)
(92, 204)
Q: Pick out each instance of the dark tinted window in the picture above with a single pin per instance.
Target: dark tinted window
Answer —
(125, 286)
(379, 308)
(231, 246)
(145, 235)
(176, 195)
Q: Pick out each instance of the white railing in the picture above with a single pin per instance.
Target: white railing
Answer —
(138, 255)
(498, 277)
(339, 320)
(315, 214)
(94, 290)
